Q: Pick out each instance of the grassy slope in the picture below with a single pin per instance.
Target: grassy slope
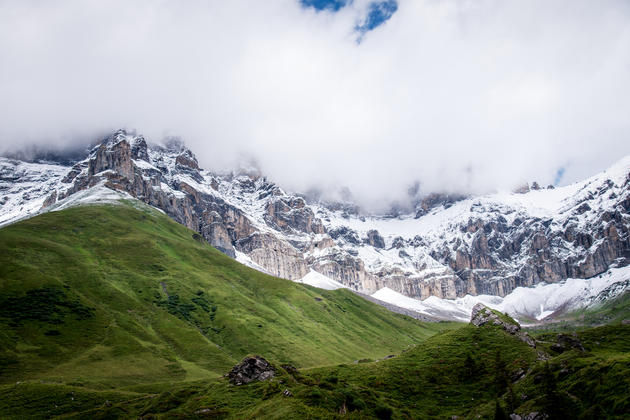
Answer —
(110, 296)
(433, 380)
(614, 310)
(125, 350)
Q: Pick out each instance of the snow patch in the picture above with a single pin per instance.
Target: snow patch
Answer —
(313, 278)
(536, 302)
(99, 194)
(246, 260)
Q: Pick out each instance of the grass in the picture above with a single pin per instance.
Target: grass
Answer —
(464, 372)
(112, 296)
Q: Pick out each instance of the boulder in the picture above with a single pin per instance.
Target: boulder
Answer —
(254, 368)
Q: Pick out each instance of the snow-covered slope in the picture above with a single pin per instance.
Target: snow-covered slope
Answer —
(313, 278)
(25, 186)
(524, 303)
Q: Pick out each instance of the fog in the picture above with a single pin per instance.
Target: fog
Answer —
(462, 96)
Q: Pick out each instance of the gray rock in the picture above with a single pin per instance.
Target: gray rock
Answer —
(251, 369)
(375, 239)
(535, 416)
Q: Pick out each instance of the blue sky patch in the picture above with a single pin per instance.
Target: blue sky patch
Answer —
(559, 176)
(378, 13)
(333, 5)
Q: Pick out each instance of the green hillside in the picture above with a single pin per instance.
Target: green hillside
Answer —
(115, 311)
(470, 373)
(117, 295)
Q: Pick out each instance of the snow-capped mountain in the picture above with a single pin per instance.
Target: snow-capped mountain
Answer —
(494, 243)
(448, 248)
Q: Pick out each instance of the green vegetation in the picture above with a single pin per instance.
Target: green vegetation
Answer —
(109, 296)
(117, 312)
(433, 380)
(614, 310)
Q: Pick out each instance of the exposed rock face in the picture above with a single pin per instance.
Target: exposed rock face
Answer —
(347, 234)
(374, 239)
(114, 155)
(267, 251)
(251, 369)
(347, 270)
(50, 200)
(494, 244)
(288, 215)
(412, 285)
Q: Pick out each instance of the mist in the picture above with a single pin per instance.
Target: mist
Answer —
(455, 95)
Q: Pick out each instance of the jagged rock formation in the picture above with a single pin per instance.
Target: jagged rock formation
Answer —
(251, 369)
(448, 246)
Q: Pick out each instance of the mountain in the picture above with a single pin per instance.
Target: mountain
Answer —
(449, 247)
(111, 309)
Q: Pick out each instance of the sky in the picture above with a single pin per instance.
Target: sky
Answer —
(376, 96)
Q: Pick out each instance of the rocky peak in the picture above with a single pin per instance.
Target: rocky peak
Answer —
(113, 154)
(139, 149)
(291, 214)
(187, 159)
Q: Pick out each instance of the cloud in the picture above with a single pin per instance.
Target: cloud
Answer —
(458, 95)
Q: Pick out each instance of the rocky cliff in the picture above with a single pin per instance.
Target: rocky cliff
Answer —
(448, 246)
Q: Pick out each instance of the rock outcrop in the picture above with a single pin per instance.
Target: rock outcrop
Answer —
(251, 369)
(482, 315)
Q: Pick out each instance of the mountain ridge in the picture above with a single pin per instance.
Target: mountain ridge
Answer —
(455, 247)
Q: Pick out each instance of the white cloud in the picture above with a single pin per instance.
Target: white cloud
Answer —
(463, 95)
